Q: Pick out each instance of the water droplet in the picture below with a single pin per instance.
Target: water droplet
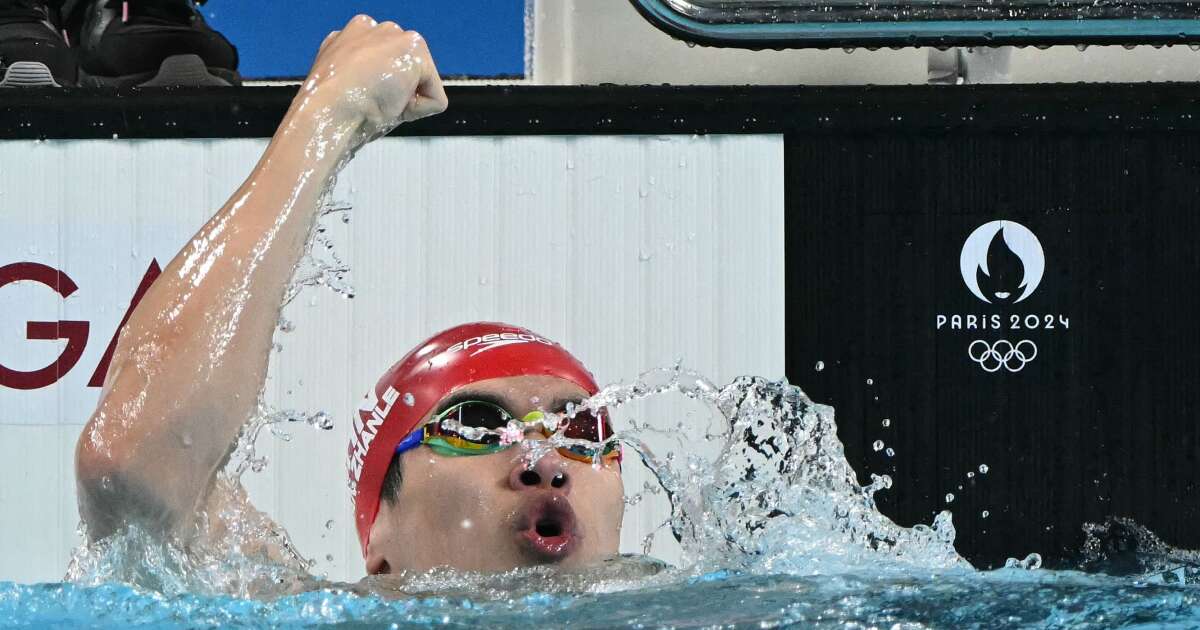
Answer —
(329, 524)
(483, 281)
(345, 217)
(328, 557)
(949, 497)
(820, 365)
(321, 420)
(983, 468)
(644, 257)
(870, 381)
(970, 474)
(887, 422)
(286, 325)
(409, 399)
(878, 445)
(570, 165)
(890, 452)
(985, 514)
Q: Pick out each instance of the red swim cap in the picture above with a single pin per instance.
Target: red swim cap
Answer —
(410, 390)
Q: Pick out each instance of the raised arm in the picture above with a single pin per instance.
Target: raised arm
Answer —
(192, 359)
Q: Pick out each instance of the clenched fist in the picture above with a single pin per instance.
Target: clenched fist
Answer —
(376, 74)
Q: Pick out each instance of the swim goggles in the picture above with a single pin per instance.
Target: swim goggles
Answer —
(471, 416)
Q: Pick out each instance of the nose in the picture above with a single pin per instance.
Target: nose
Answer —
(549, 473)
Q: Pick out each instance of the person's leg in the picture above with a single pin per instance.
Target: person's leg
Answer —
(150, 43)
(33, 52)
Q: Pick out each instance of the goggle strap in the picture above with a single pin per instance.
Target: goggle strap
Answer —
(413, 440)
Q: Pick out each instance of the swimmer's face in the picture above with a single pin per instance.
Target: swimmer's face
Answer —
(495, 512)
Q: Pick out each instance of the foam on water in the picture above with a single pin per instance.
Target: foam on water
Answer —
(955, 599)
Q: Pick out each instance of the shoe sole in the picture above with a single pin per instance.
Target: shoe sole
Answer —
(27, 74)
(174, 71)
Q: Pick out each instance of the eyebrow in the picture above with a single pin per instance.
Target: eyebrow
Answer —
(559, 404)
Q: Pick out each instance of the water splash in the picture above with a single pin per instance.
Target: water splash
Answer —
(1120, 546)
(780, 495)
(231, 549)
(246, 457)
(320, 265)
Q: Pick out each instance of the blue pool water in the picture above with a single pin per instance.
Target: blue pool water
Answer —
(954, 599)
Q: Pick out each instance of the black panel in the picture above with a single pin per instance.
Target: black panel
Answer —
(526, 110)
(1100, 422)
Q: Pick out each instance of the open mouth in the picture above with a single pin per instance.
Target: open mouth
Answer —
(547, 529)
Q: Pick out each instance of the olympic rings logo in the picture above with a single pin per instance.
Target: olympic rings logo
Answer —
(1002, 354)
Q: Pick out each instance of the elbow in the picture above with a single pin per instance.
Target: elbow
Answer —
(97, 457)
(99, 477)
(116, 487)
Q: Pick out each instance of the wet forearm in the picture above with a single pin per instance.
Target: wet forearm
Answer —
(192, 359)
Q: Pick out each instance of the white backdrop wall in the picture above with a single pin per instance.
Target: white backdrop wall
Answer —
(634, 252)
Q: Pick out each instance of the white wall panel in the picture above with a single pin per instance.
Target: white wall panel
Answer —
(634, 252)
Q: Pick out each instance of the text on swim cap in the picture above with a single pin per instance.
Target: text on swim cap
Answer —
(371, 414)
(496, 340)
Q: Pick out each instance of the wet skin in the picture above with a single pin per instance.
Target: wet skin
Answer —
(497, 512)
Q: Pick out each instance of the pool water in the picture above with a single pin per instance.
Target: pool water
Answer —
(946, 599)
(774, 528)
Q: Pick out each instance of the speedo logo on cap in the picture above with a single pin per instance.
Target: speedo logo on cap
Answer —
(371, 415)
(492, 341)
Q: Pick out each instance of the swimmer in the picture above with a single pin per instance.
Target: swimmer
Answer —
(429, 489)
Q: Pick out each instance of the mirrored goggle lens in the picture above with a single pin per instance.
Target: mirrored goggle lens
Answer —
(584, 454)
(474, 415)
(589, 426)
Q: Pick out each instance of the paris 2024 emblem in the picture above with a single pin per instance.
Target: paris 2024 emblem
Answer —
(1002, 263)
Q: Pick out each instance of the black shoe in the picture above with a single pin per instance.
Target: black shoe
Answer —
(150, 43)
(33, 52)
